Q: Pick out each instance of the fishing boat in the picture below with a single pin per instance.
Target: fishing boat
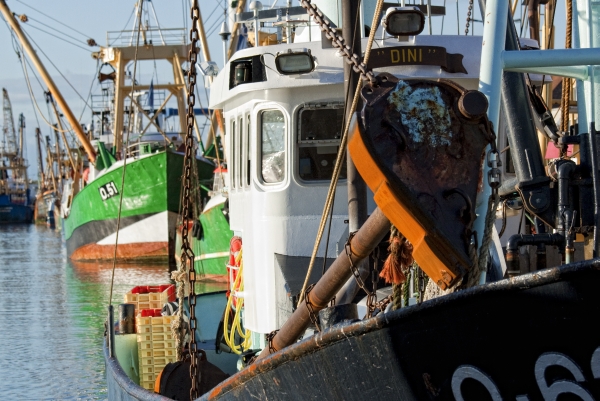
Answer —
(130, 176)
(452, 313)
(15, 199)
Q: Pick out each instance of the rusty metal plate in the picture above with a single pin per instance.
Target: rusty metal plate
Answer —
(424, 141)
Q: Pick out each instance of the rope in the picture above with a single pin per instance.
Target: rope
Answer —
(397, 296)
(112, 278)
(236, 326)
(566, 83)
(179, 276)
(340, 156)
(484, 254)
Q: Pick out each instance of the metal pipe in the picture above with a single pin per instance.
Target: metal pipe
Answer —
(571, 71)
(516, 241)
(554, 57)
(48, 80)
(356, 187)
(490, 82)
(361, 245)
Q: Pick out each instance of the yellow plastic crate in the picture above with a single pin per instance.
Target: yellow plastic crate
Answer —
(158, 336)
(143, 298)
(149, 385)
(146, 353)
(170, 352)
(144, 345)
(131, 298)
(160, 352)
(159, 363)
(155, 296)
(147, 369)
(168, 319)
(145, 336)
(148, 377)
(158, 328)
(146, 361)
(157, 320)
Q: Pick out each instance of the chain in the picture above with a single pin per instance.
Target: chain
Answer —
(187, 255)
(469, 17)
(270, 338)
(309, 306)
(371, 295)
(494, 163)
(338, 42)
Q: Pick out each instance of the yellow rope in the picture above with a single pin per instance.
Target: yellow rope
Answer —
(236, 325)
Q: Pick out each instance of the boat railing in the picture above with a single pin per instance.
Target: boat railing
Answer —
(135, 149)
(152, 36)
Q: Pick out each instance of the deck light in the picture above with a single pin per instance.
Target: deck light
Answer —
(294, 62)
(404, 21)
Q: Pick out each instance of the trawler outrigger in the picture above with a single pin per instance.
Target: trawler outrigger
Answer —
(428, 142)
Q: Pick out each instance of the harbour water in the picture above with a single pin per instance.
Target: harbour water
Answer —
(52, 316)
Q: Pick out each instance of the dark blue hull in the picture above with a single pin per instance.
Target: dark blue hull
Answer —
(10, 213)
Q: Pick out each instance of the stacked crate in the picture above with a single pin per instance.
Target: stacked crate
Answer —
(156, 347)
(150, 297)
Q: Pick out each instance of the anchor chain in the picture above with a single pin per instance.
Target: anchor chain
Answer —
(187, 254)
(338, 42)
(470, 10)
(311, 312)
(372, 303)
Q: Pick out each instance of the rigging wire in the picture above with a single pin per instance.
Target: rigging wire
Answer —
(112, 279)
(58, 37)
(53, 19)
(61, 32)
(122, 30)
(54, 65)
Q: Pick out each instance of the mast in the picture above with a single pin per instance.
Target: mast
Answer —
(62, 132)
(40, 159)
(49, 81)
(19, 159)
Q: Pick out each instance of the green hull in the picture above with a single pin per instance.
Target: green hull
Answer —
(211, 250)
(152, 187)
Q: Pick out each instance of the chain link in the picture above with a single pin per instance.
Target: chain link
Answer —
(187, 254)
(270, 338)
(371, 295)
(311, 312)
(338, 42)
(494, 162)
(470, 10)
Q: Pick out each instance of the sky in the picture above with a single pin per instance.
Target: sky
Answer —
(51, 24)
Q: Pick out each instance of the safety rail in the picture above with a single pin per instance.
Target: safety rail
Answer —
(151, 36)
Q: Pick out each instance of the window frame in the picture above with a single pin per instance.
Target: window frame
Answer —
(258, 113)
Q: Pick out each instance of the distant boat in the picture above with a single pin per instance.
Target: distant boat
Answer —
(16, 203)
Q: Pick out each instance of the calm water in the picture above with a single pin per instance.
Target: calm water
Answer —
(52, 316)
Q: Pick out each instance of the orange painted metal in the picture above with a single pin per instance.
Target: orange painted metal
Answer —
(154, 251)
(400, 216)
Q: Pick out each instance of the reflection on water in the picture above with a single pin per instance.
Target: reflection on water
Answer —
(52, 316)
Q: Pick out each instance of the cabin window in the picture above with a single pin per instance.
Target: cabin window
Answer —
(319, 133)
(272, 146)
(248, 158)
(233, 154)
